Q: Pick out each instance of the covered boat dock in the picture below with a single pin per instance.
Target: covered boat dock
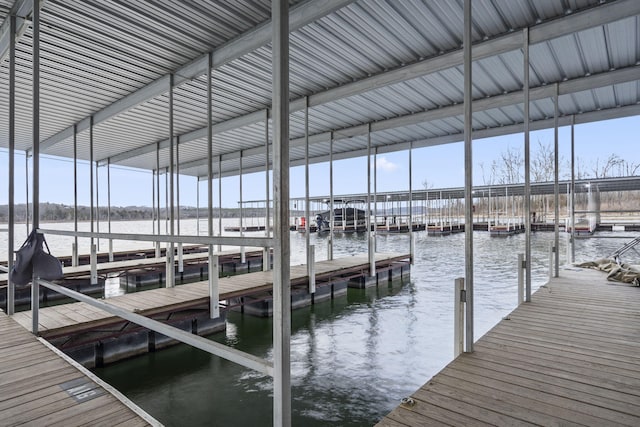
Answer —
(215, 89)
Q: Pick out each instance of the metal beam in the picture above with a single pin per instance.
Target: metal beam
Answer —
(579, 21)
(620, 76)
(264, 242)
(22, 10)
(301, 15)
(217, 128)
(593, 116)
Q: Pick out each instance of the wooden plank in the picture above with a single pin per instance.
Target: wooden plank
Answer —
(98, 408)
(570, 388)
(547, 400)
(558, 355)
(476, 407)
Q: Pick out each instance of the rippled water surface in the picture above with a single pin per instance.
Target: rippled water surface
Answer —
(352, 358)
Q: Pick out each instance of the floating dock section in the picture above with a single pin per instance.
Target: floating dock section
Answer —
(569, 357)
(94, 337)
(141, 271)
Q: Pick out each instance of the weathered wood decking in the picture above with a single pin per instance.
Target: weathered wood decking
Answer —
(67, 318)
(39, 387)
(570, 357)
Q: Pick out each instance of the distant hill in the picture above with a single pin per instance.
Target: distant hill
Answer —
(61, 212)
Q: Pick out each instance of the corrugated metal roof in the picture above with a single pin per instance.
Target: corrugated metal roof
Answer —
(394, 65)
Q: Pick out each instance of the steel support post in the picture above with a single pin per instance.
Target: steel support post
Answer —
(521, 268)
(180, 257)
(243, 258)
(551, 258)
(171, 280)
(74, 248)
(95, 168)
(219, 199)
(26, 189)
(158, 250)
(198, 203)
(573, 191)
(93, 255)
(458, 316)
(370, 244)
(213, 261)
(331, 213)
(281, 255)
(266, 261)
(412, 241)
(12, 152)
(311, 257)
(214, 290)
(375, 199)
(468, 178)
(35, 291)
(109, 208)
(556, 185)
(307, 212)
(527, 168)
(36, 116)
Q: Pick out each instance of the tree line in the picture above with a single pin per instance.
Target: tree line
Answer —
(62, 212)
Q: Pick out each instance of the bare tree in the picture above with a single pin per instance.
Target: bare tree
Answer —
(542, 165)
(606, 170)
(512, 166)
(489, 174)
(427, 185)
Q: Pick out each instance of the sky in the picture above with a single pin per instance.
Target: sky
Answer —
(440, 166)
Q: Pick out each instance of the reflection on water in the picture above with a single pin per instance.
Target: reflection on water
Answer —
(352, 358)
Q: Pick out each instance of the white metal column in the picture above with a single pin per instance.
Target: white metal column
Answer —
(527, 168)
(266, 253)
(307, 226)
(412, 240)
(214, 290)
(35, 294)
(556, 186)
(331, 212)
(468, 178)
(109, 208)
(12, 153)
(370, 235)
(281, 250)
(573, 192)
(170, 281)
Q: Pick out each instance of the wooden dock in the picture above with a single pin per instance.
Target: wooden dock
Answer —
(569, 357)
(67, 318)
(38, 386)
(147, 263)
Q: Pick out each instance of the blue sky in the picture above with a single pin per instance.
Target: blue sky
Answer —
(442, 166)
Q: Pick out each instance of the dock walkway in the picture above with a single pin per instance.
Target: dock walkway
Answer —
(40, 387)
(68, 318)
(570, 357)
(142, 263)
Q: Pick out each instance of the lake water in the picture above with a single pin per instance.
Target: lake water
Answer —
(352, 358)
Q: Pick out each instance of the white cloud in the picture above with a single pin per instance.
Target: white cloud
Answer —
(385, 165)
